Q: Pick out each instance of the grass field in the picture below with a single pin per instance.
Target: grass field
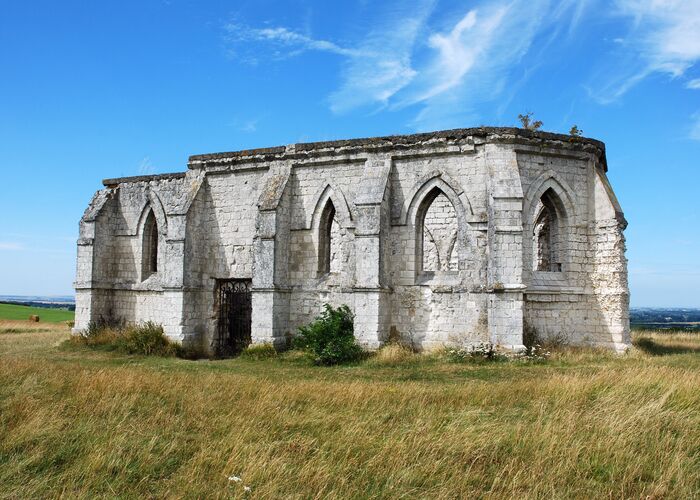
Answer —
(81, 423)
(46, 315)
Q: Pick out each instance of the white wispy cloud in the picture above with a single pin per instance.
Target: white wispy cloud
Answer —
(145, 166)
(663, 38)
(693, 84)
(384, 64)
(473, 61)
(447, 72)
(668, 31)
(449, 64)
(285, 42)
(374, 69)
(398, 61)
(459, 50)
(287, 37)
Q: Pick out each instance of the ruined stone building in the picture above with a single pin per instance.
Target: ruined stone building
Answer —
(444, 238)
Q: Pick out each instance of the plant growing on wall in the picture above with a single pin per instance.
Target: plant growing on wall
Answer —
(575, 133)
(528, 123)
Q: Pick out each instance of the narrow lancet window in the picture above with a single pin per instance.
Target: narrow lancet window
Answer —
(328, 241)
(150, 246)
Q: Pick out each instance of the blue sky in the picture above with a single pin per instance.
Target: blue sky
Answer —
(103, 89)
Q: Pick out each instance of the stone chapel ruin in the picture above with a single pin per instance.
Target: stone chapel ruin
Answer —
(444, 238)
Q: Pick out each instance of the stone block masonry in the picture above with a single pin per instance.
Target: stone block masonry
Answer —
(445, 238)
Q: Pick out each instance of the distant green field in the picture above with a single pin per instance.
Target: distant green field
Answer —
(46, 315)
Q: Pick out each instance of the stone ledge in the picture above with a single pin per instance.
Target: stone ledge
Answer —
(495, 134)
(142, 178)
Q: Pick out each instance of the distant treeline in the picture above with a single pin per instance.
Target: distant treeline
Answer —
(648, 315)
(665, 319)
(46, 305)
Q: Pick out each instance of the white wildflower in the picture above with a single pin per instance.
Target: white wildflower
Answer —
(235, 479)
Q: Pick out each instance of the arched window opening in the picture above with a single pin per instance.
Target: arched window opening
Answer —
(547, 234)
(329, 239)
(437, 233)
(149, 257)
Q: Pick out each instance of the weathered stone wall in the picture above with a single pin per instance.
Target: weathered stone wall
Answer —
(111, 283)
(219, 245)
(581, 303)
(428, 238)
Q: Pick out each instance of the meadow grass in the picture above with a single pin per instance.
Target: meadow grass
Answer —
(76, 422)
(46, 315)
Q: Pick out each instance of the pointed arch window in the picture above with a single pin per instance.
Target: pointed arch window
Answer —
(548, 237)
(328, 241)
(437, 233)
(149, 246)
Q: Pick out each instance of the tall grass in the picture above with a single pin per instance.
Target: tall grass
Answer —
(147, 339)
(661, 342)
(25, 326)
(399, 425)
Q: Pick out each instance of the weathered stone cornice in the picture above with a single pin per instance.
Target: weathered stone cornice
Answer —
(397, 143)
(142, 178)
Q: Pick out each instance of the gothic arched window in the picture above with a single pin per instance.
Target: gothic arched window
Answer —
(149, 246)
(547, 233)
(329, 241)
(437, 233)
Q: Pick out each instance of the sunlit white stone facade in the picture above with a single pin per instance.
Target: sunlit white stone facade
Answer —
(445, 238)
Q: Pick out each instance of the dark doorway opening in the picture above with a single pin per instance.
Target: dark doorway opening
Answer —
(235, 316)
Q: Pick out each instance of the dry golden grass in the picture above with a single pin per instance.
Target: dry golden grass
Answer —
(660, 343)
(586, 424)
(25, 326)
(394, 353)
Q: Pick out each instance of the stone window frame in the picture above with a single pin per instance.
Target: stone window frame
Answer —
(325, 228)
(424, 194)
(329, 196)
(558, 196)
(152, 217)
(149, 245)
